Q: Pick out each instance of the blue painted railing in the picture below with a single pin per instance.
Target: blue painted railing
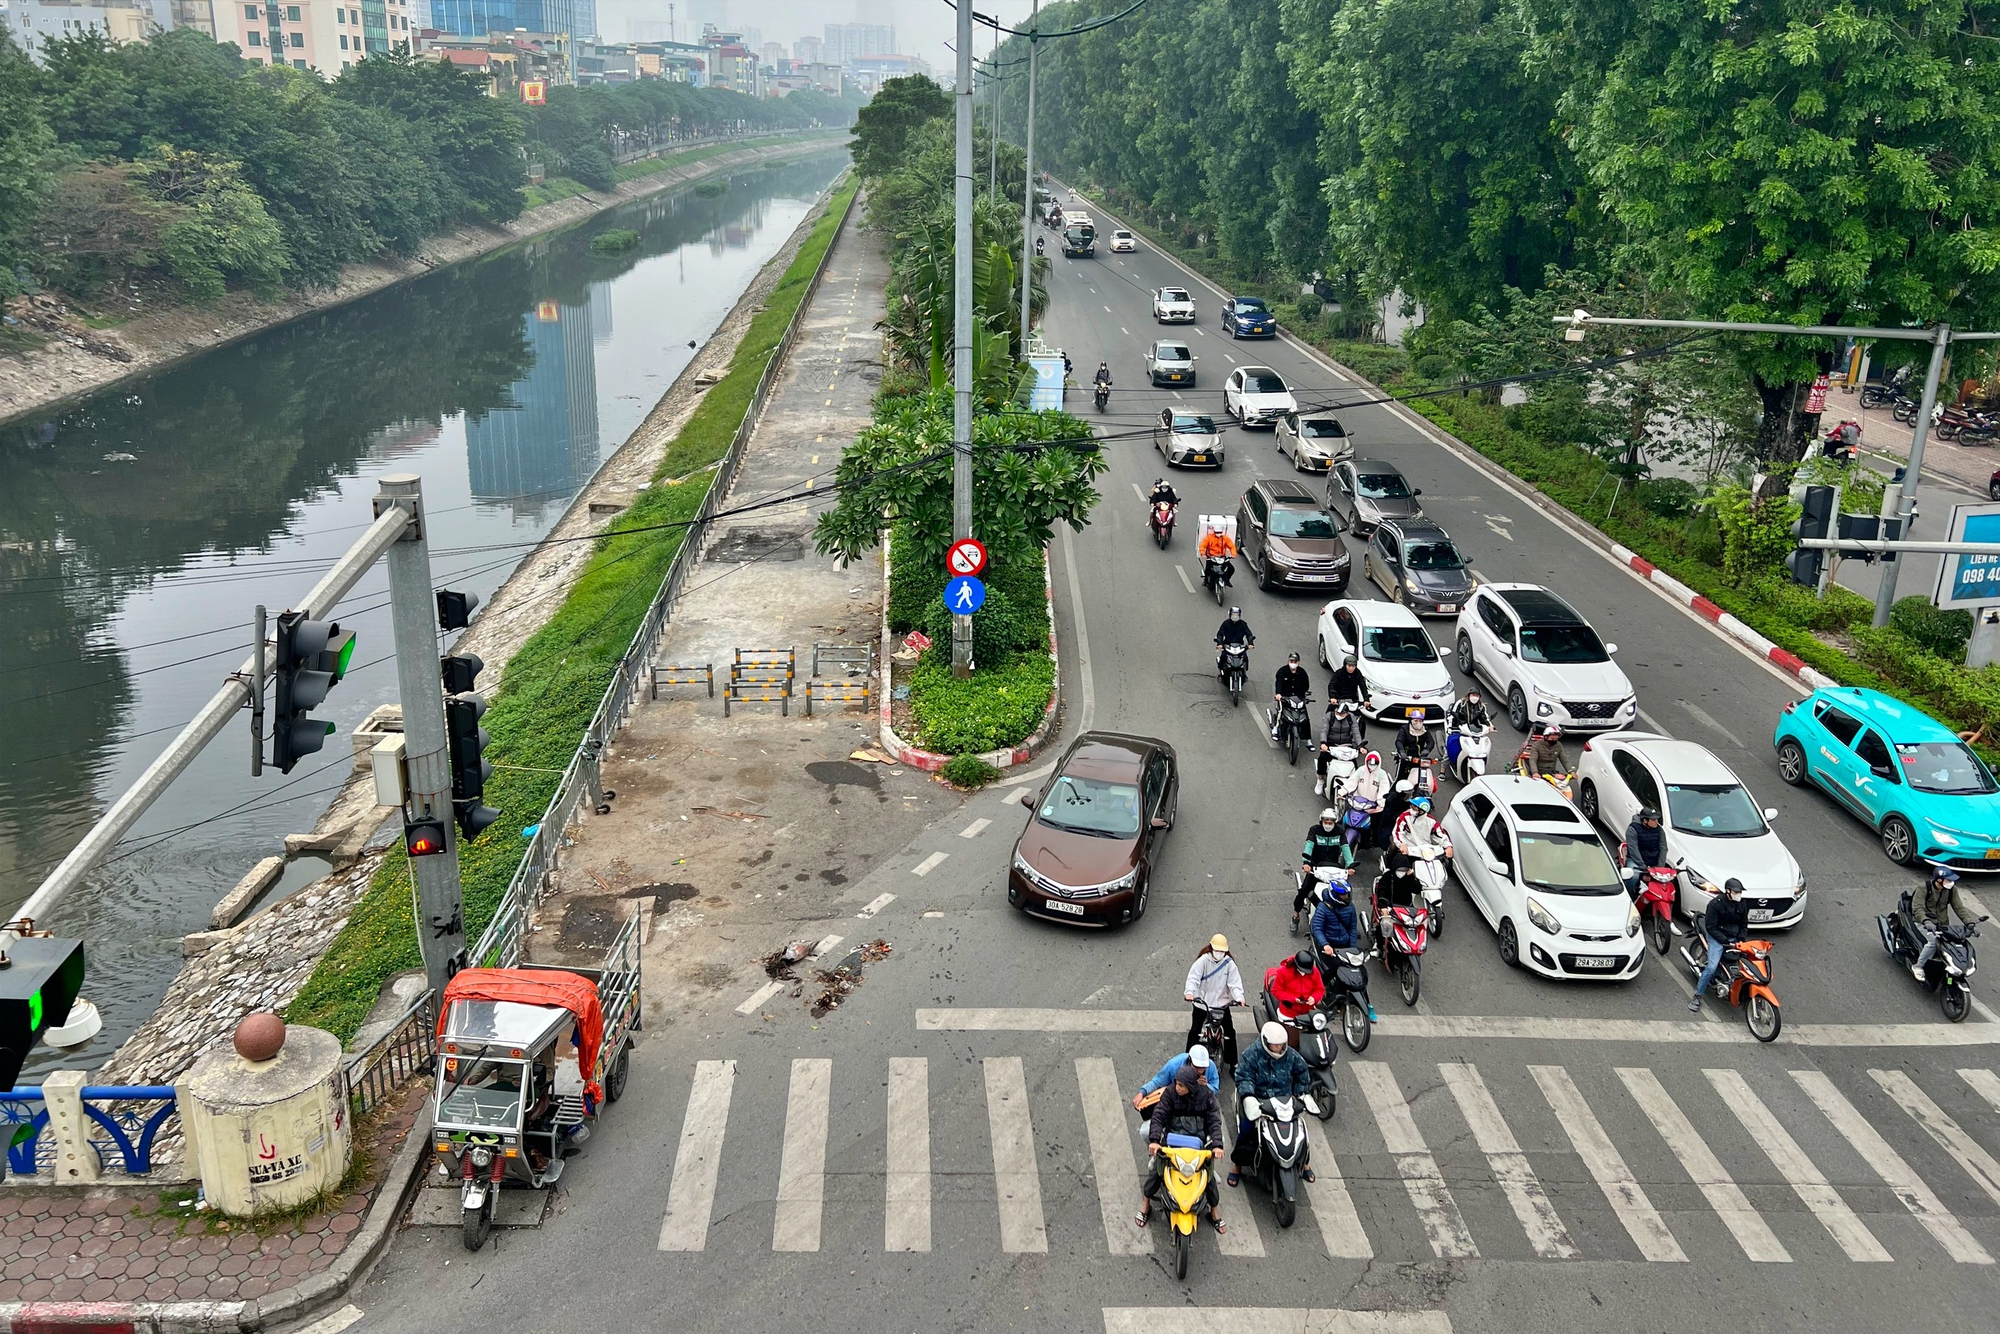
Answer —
(130, 1127)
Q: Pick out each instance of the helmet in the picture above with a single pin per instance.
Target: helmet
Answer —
(1375, 759)
(1648, 813)
(1732, 885)
(1303, 961)
(1159, 481)
(1347, 661)
(1472, 697)
(1416, 724)
(1553, 729)
(1344, 707)
(1236, 613)
(1420, 802)
(1198, 1056)
(1292, 657)
(1328, 815)
(1336, 887)
(1273, 1034)
(1944, 873)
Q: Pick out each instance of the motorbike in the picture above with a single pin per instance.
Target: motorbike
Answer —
(1281, 1152)
(1359, 816)
(1235, 670)
(1949, 972)
(1430, 868)
(1346, 974)
(1466, 750)
(1216, 572)
(1292, 723)
(1041, 244)
(1340, 764)
(1215, 1030)
(1560, 782)
(1835, 447)
(1904, 409)
(1324, 876)
(1404, 934)
(1744, 979)
(1313, 1040)
(1891, 389)
(1654, 890)
(1186, 1180)
(1102, 396)
(1162, 522)
(1418, 775)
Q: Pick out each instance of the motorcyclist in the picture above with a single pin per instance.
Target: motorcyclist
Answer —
(1214, 983)
(1069, 367)
(1102, 380)
(1645, 844)
(1326, 845)
(1271, 1069)
(1414, 741)
(1349, 684)
(1234, 630)
(1398, 885)
(1726, 922)
(1040, 243)
(1469, 713)
(1333, 925)
(1933, 913)
(1343, 728)
(1544, 754)
(1291, 682)
(1295, 985)
(1185, 1103)
(1417, 829)
(1371, 784)
(1163, 490)
(1215, 544)
(1195, 1059)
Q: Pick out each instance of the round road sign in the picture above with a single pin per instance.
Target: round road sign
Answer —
(965, 556)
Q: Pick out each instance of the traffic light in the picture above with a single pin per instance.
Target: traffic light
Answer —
(469, 768)
(312, 656)
(459, 672)
(455, 609)
(1869, 527)
(38, 984)
(1816, 520)
(424, 837)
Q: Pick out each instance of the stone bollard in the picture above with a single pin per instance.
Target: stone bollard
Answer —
(268, 1134)
(76, 1160)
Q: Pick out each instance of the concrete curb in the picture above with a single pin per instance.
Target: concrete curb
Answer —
(1784, 659)
(307, 1297)
(929, 760)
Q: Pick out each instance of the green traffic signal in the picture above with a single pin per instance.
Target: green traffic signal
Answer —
(38, 984)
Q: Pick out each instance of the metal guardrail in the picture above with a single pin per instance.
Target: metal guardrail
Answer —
(500, 945)
(405, 1049)
(130, 1129)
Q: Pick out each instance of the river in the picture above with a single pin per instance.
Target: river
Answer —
(140, 528)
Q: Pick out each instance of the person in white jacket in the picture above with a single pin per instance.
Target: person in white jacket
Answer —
(1370, 781)
(1214, 983)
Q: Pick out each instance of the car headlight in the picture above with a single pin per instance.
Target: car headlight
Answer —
(1630, 705)
(1632, 920)
(1943, 837)
(1543, 708)
(1126, 881)
(1543, 919)
(1021, 865)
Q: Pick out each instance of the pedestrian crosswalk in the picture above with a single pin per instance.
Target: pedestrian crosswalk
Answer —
(1451, 1161)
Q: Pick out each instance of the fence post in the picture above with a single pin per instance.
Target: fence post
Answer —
(76, 1160)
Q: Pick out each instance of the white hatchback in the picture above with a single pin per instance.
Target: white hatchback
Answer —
(1543, 879)
(1123, 242)
(1710, 820)
(1401, 666)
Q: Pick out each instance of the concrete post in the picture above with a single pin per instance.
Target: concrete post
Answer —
(76, 1161)
(961, 415)
(1028, 190)
(1906, 499)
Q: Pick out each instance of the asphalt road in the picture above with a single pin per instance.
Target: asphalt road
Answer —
(948, 1149)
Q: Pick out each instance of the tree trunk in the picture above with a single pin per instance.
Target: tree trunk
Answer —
(1784, 433)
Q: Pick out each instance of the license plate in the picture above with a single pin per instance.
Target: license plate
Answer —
(1200, 458)
(1993, 854)
(1598, 961)
(1057, 905)
(1762, 914)
(1173, 375)
(1447, 607)
(1315, 578)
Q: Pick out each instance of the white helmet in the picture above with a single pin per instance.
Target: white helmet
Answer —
(1274, 1034)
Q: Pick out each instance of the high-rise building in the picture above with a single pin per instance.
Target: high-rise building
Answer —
(476, 18)
(315, 34)
(848, 42)
(30, 22)
(809, 50)
(543, 446)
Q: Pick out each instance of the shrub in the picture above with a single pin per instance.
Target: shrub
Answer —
(1940, 633)
(1965, 700)
(614, 242)
(968, 772)
(1310, 307)
(1668, 497)
(1701, 538)
(1838, 610)
(999, 705)
(1756, 534)
(1432, 366)
(712, 189)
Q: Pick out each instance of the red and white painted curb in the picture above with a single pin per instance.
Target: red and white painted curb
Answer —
(118, 1317)
(929, 760)
(1783, 659)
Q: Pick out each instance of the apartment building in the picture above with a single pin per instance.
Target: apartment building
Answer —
(314, 34)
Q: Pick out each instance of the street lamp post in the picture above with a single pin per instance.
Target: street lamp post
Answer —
(1028, 187)
(961, 415)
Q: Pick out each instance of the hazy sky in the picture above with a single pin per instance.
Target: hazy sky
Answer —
(923, 27)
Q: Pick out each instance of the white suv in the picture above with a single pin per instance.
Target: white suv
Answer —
(1543, 658)
(1173, 305)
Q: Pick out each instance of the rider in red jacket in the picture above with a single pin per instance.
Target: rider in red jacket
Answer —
(1295, 985)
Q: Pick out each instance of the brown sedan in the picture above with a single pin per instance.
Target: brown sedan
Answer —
(1087, 854)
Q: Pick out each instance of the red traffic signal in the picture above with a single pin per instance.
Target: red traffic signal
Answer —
(424, 837)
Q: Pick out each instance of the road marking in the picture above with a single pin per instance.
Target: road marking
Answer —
(699, 1158)
(1531, 1203)
(1230, 355)
(929, 864)
(1244, 1238)
(1702, 716)
(1449, 1237)
(1017, 1181)
(1186, 582)
(1621, 1189)
(825, 946)
(1088, 713)
(875, 905)
(1724, 1196)
(1175, 392)
(759, 996)
(974, 829)
(1985, 1083)
(1978, 1163)
(1127, 332)
(1339, 1225)
(906, 1226)
(334, 1323)
(802, 1164)
(1137, 492)
(1918, 1198)
(1806, 1180)
(1107, 310)
(1105, 1117)
(1275, 1320)
(1262, 728)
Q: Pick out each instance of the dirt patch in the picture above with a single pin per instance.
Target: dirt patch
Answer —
(740, 545)
(844, 773)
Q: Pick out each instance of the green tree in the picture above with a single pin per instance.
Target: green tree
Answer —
(216, 230)
(883, 127)
(473, 140)
(25, 144)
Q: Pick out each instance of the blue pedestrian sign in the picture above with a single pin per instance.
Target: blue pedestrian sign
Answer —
(964, 595)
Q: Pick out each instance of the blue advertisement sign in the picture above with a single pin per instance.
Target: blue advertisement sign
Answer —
(1046, 394)
(1972, 577)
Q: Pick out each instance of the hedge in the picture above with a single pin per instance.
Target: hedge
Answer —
(999, 705)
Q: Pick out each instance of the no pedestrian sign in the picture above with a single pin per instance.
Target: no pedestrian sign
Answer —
(965, 556)
(964, 595)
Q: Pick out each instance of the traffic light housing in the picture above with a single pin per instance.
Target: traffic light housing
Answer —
(425, 837)
(1816, 520)
(459, 671)
(312, 656)
(39, 983)
(455, 609)
(469, 767)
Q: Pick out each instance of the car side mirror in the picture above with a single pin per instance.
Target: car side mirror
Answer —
(1416, 491)
(1770, 812)
(1610, 649)
(1159, 823)
(1506, 650)
(1030, 797)
(1495, 866)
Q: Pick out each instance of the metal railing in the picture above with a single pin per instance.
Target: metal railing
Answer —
(500, 945)
(406, 1048)
(130, 1127)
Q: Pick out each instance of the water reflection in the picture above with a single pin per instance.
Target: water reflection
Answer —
(542, 445)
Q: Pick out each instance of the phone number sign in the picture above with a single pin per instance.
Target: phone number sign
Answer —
(1969, 577)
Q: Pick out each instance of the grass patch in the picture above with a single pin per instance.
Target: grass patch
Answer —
(614, 242)
(712, 189)
(553, 686)
(968, 773)
(552, 188)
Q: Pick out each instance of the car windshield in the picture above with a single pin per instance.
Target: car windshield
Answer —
(1561, 644)
(1249, 305)
(489, 1094)
(1713, 810)
(1265, 382)
(1122, 235)
(1567, 864)
(1397, 643)
(1433, 556)
(1194, 425)
(1383, 486)
(1174, 294)
(1092, 806)
(1321, 428)
(1301, 523)
(1171, 352)
(1947, 768)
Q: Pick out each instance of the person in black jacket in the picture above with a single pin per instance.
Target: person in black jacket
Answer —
(1233, 630)
(1349, 684)
(1726, 922)
(1291, 681)
(1645, 844)
(1186, 1107)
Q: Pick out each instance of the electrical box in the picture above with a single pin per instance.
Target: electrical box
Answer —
(392, 786)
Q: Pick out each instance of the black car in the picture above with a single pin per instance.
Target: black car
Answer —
(1415, 562)
(1248, 317)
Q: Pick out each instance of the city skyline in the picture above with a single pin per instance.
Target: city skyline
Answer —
(924, 28)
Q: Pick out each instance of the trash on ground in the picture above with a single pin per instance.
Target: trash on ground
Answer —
(872, 754)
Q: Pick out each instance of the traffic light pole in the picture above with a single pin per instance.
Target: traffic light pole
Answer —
(1906, 500)
(961, 269)
(209, 723)
(413, 616)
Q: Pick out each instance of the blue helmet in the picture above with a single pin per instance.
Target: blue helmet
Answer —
(1336, 888)
(1420, 802)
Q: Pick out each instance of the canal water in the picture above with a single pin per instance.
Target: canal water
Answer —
(140, 529)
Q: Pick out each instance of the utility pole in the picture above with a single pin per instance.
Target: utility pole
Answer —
(1906, 500)
(993, 135)
(1028, 187)
(440, 905)
(961, 415)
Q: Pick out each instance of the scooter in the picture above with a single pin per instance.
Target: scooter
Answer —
(1340, 765)
(1186, 1180)
(1235, 670)
(1404, 934)
(1312, 1038)
(1292, 724)
(1891, 389)
(1466, 750)
(1281, 1152)
(1744, 978)
(1346, 975)
(1430, 869)
(1162, 522)
(1323, 876)
(1419, 775)
(1654, 891)
(1560, 782)
(1360, 815)
(1216, 572)
(1950, 969)
(1838, 448)
(1102, 396)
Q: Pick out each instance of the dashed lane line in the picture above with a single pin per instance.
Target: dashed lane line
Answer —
(976, 828)
(1186, 582)
(929, 864)
(875, 905)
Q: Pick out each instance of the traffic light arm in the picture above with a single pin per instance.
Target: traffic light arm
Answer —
(214, 717)
(1873, 544)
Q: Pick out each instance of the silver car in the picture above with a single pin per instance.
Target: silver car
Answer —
(1364, 492)
(1314, 441)
(1170, 363)
(1186, 438)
